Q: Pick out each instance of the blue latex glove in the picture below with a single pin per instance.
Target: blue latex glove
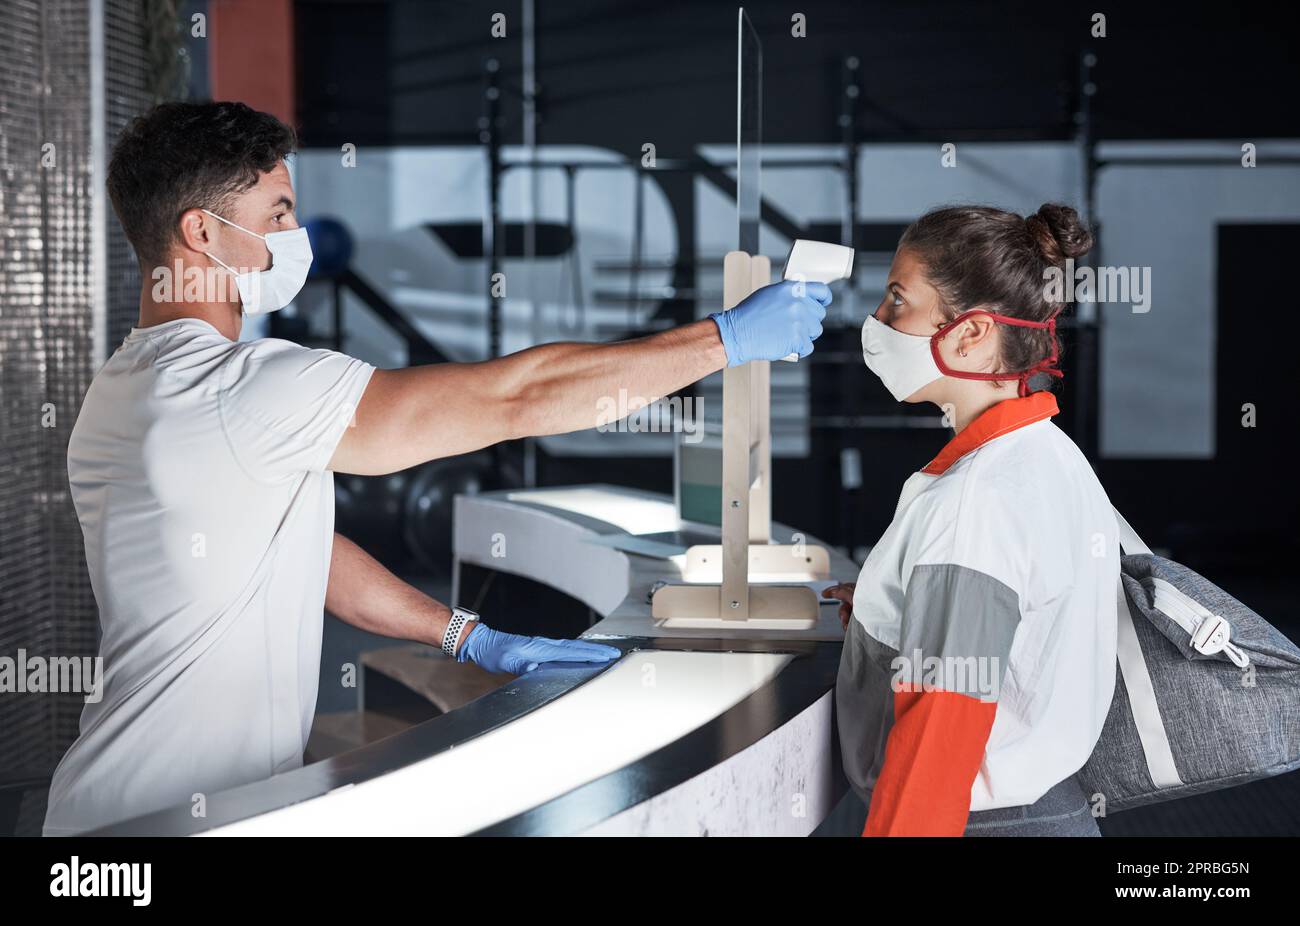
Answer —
(511, 652)
(774, 322)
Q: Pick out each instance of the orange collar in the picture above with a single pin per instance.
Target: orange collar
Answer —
(994, 421)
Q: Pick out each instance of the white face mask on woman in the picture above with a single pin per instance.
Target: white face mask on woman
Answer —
(903, 362)
(907, 363)
(263, 291)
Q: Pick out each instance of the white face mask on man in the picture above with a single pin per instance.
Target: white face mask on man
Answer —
(262, 291)
(903, 362)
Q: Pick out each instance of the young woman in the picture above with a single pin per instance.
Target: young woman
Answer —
(979, 657)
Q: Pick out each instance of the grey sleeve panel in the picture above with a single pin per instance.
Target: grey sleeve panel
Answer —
(864, 707)
(963, 618)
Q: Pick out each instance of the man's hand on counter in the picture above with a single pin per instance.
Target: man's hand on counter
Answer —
(497, 651)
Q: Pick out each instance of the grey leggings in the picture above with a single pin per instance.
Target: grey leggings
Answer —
(1063, 811)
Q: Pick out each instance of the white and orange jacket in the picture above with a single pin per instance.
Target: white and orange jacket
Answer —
(979, 664)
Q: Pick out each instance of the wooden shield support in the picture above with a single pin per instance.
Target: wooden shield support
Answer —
(746, 507)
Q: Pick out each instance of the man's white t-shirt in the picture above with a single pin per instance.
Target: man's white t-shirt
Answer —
(198, 471)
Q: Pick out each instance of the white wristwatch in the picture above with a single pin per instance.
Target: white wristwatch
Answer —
(459, 618)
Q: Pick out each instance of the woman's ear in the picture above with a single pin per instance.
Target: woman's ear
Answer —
(978, 336)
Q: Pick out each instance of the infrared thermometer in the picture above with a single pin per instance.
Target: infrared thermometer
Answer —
(817, 262)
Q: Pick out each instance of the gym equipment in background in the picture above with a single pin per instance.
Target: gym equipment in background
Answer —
(331, 246)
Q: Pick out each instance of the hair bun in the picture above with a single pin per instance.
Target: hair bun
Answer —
(1058, 233)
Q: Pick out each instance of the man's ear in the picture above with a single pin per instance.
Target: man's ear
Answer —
(196, 230)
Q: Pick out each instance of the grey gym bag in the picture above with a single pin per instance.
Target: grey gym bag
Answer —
(1207, 693)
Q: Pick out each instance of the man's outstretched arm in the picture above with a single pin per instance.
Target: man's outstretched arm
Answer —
(421, 413)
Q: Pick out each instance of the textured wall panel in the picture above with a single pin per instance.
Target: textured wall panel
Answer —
(47, 296)
(26, 608)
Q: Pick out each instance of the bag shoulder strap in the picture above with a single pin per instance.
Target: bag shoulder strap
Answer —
(1142, 699)
(1137, 678)
(1129, 541)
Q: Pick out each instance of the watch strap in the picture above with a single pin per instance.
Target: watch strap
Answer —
(455, 627)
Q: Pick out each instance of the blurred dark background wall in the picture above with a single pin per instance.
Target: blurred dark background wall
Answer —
(618, 74)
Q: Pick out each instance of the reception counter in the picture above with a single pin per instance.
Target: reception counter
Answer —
(691, 731)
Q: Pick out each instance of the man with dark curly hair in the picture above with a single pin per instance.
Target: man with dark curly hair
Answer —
(201, 468)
